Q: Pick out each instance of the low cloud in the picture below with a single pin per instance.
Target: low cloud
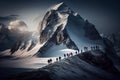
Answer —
(17, 25)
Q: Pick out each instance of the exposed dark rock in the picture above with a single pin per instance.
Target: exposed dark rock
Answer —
(91, 32)
(58, 38)
(99, 59)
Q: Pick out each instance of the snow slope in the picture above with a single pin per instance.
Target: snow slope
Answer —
(77, 67)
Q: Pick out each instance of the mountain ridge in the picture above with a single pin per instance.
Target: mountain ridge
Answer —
(79, 69)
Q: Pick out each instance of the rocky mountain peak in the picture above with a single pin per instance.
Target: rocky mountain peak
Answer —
(60, 7)
(59, 25)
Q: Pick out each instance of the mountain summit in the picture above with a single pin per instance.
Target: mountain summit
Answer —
(61, 7)
(61, 26)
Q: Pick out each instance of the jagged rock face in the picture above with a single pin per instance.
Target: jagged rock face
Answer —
(16, 40)
(25, 41)
(58, 38)
(21, 43)
(57, 25)
(91, 32)
(52, 20)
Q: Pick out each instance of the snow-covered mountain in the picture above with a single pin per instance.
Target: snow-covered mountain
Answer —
(17, 43)
(25, 42)
(62, 31)
(61, 26)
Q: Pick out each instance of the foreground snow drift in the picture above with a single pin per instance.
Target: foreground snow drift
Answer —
(78, 67)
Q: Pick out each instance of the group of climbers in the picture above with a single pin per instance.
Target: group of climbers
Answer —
(58, 59)
(96, 47)
(49, 61)
(71, 54)
(68, 55)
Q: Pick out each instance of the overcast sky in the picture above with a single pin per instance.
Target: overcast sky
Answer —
(104, 14)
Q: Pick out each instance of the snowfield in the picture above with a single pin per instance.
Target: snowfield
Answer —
(72, 68)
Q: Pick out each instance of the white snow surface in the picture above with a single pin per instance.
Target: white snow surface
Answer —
(58, 51)
(75, 68)
(55, 7)
(24, 59)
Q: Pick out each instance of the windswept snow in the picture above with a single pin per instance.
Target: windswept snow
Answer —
(28, 63)
(58, 51)
(55, 7)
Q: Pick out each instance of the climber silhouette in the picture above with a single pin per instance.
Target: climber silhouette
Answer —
(71, 54)
(64, 55)
(56, 59)
(59, 58)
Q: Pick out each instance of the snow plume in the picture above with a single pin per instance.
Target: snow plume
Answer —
(17, 25)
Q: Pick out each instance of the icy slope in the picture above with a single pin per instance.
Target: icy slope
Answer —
(18, 43)
(27, 45)
(92, 65)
